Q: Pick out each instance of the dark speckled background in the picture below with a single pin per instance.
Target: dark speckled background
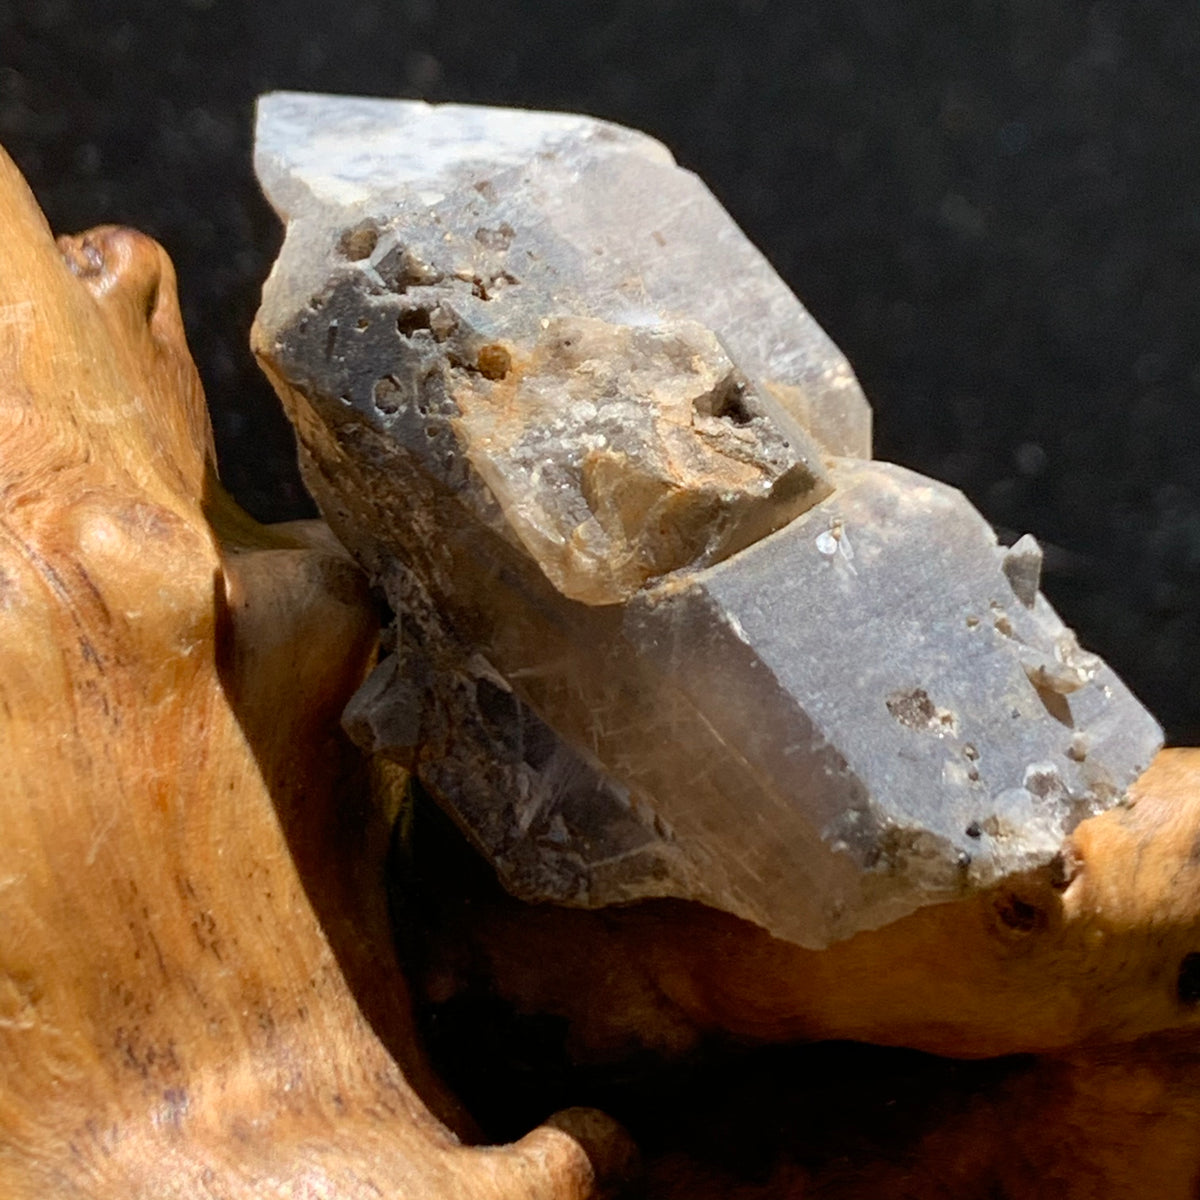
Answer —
(994, 207)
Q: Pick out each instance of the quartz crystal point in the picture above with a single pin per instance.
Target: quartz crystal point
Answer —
(663, 627)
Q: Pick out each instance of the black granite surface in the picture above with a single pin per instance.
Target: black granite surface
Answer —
(992, 205)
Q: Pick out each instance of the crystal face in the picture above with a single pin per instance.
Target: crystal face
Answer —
(663, 628)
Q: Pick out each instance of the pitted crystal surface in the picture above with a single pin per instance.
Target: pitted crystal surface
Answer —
(663, 628)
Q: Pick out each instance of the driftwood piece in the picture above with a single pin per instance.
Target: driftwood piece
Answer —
(196, 991)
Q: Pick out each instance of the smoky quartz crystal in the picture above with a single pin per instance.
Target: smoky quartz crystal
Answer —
(663, 626)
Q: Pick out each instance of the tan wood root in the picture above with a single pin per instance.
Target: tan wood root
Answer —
(197, 995)
(195, 982)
